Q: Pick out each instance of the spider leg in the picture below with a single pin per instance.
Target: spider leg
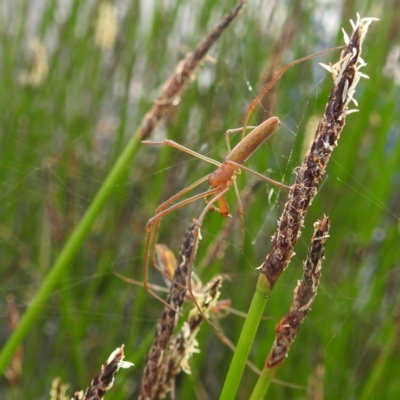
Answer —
(196, 238)
(241, 210)
(230, 131)
(150, 239)
(178, 146)
(164, 206)
(276, 78)
(138, 283)
(263, 177)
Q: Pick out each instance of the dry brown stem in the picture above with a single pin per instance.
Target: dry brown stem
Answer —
(169, 318)
(346, 76)
(183, 74)
(185, 343)
(304, 295)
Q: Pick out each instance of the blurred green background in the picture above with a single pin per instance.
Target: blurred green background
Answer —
(76, 80)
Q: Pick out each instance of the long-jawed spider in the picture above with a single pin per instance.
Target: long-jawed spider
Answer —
(220, 181)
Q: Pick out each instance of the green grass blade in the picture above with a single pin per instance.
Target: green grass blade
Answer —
(262, 384)
(75, 241)
(246, 339)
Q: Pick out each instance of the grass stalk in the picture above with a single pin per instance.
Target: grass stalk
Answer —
(263, 383)
(346, 76)
(71, 247)
(304, 295)
(153, 370)
(246, 339)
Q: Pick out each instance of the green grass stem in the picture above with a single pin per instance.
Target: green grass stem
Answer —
(71, 247)
(263, 383)
(246, 339)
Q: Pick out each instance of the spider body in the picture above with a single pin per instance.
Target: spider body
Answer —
(223, 178)
(220, 182)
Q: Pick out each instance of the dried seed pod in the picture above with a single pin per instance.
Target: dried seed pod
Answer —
(346, 75)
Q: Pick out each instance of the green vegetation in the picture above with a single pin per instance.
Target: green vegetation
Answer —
(62, 128)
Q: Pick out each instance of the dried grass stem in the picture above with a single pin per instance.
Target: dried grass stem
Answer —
(169, 318)
(310, 173)
(183, 74)
(304, 295)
